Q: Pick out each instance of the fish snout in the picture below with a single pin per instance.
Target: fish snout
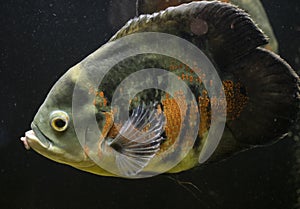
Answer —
(29, 134)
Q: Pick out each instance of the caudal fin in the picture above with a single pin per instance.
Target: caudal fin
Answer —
(272, 87)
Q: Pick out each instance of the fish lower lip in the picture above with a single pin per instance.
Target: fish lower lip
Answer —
(35, 136)
(25, 139)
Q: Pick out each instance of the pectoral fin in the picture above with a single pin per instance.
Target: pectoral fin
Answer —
(138, 140)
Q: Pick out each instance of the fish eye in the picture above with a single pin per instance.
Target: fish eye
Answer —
(59, 120)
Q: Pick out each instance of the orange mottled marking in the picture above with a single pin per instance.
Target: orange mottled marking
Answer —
(114, 131)
(172, 106)
(204, 103)
(106, 128)
(108, 123)
(191, 123)
(100, 99)
(101, 94)
(104, 102)
(191, 79)
(187, 73)
(236, 100)
(182, 76)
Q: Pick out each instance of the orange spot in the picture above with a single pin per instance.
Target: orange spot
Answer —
(204, 107)
(114, 131)
(104, 102)
(108, 123)
(106, 128)
(191, 78)
(187, 68)
(182, 76)
(173, 116)
(101, 94)
(236, 101)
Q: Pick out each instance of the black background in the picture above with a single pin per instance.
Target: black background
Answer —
(39, 41)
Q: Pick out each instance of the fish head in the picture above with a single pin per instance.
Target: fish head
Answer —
(53, 134)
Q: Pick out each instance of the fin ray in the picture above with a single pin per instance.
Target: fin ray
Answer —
(135, 147)
(231, 33)
(273, 92)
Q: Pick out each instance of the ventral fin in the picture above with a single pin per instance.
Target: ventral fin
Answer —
(139, 139)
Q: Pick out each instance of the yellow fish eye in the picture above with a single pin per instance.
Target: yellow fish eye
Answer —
(59, 120)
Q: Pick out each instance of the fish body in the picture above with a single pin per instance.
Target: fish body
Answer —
(261, 97)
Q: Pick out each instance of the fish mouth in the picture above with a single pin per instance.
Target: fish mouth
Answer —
(40, 143)
(34, 138)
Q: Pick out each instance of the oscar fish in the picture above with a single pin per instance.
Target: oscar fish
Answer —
(261, 97)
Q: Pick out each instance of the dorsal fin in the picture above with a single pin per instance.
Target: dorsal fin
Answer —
(222, 31)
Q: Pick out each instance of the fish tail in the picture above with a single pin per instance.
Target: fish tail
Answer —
(273, 92)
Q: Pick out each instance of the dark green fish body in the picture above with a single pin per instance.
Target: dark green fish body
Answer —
(261, 92)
